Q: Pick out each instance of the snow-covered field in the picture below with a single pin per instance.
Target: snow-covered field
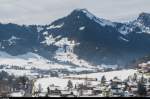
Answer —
(45, 82)
(62, 83)
(122, 74)
(30, 60)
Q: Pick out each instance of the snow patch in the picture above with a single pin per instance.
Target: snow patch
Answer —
(55, 26)
(82, 28)
(123, 39)
(66, 54)
(49, 40)
(45, 33)
(64, 42)
(39, 28)
(12, 40)
(144, 29)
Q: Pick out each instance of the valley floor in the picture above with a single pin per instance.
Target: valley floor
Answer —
(85, 85)
(50, 79)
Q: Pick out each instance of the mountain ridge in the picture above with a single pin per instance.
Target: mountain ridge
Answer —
(96, 40)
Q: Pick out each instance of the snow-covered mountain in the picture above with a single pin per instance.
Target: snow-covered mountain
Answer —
(80, 39)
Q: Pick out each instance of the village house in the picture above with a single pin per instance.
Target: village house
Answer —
(54, 90)
(57, 91)
(116, 86)
(97, 91)
(132, 88)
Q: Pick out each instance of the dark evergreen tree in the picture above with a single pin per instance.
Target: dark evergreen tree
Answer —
(103, 80)
(48, 90)
(70, 84)
(141, 89)
(135, 77)
(23, 81)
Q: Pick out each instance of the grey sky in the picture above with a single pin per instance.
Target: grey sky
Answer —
(46, 11)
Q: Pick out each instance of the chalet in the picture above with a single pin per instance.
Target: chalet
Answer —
(116, 87)
(132, 88)
(96, 91)
(54, 90)
(57, 91)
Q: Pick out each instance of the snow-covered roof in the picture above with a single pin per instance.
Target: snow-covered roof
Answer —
(17, 94)
(65, 92)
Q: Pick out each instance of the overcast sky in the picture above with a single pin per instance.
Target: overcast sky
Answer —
(46, 11)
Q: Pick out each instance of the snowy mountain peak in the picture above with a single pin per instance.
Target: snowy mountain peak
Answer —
(84, 12)
(81, 12)
(142, 23)
(144, 15)
(144, 18)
